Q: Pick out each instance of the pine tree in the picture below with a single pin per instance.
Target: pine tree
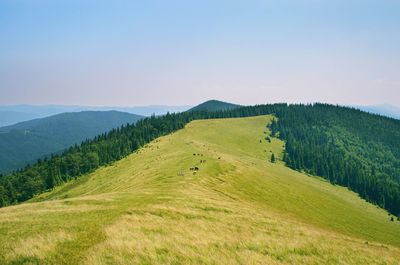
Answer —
(273, 158)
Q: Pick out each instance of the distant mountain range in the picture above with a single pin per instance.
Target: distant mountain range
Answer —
(383, 109)
(28, 141)
(18, 113)
(8, 117)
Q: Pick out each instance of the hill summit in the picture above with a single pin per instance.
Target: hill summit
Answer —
(214, 105)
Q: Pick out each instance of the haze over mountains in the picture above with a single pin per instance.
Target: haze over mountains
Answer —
(382, 109)
(28, 141)
(13, 114)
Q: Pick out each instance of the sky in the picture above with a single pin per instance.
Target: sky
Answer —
(130, 53)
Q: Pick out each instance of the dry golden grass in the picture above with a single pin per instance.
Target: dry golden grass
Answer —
(239, 208)
(220, 235)
(38, 246)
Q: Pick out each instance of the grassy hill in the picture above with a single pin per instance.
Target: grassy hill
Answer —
(28, 141)
(238, 208)
(214, 105)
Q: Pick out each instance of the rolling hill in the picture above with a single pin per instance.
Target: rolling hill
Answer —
(237, 208)
(214, 105)
(28, 141)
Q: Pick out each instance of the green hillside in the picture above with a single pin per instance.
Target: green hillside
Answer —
(28, 141)
(238, 208)
(214, 105)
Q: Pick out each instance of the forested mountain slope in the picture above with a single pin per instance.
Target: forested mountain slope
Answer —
(348, 147)
(236, 208)
(28, 141)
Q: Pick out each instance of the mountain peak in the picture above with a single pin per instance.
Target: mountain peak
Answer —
(214, 105)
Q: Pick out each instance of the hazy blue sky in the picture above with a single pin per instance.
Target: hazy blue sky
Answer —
(184, 52)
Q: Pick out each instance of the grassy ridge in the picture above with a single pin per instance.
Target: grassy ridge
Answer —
(238, 208)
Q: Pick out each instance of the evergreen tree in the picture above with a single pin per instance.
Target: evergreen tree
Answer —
(272, 158)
